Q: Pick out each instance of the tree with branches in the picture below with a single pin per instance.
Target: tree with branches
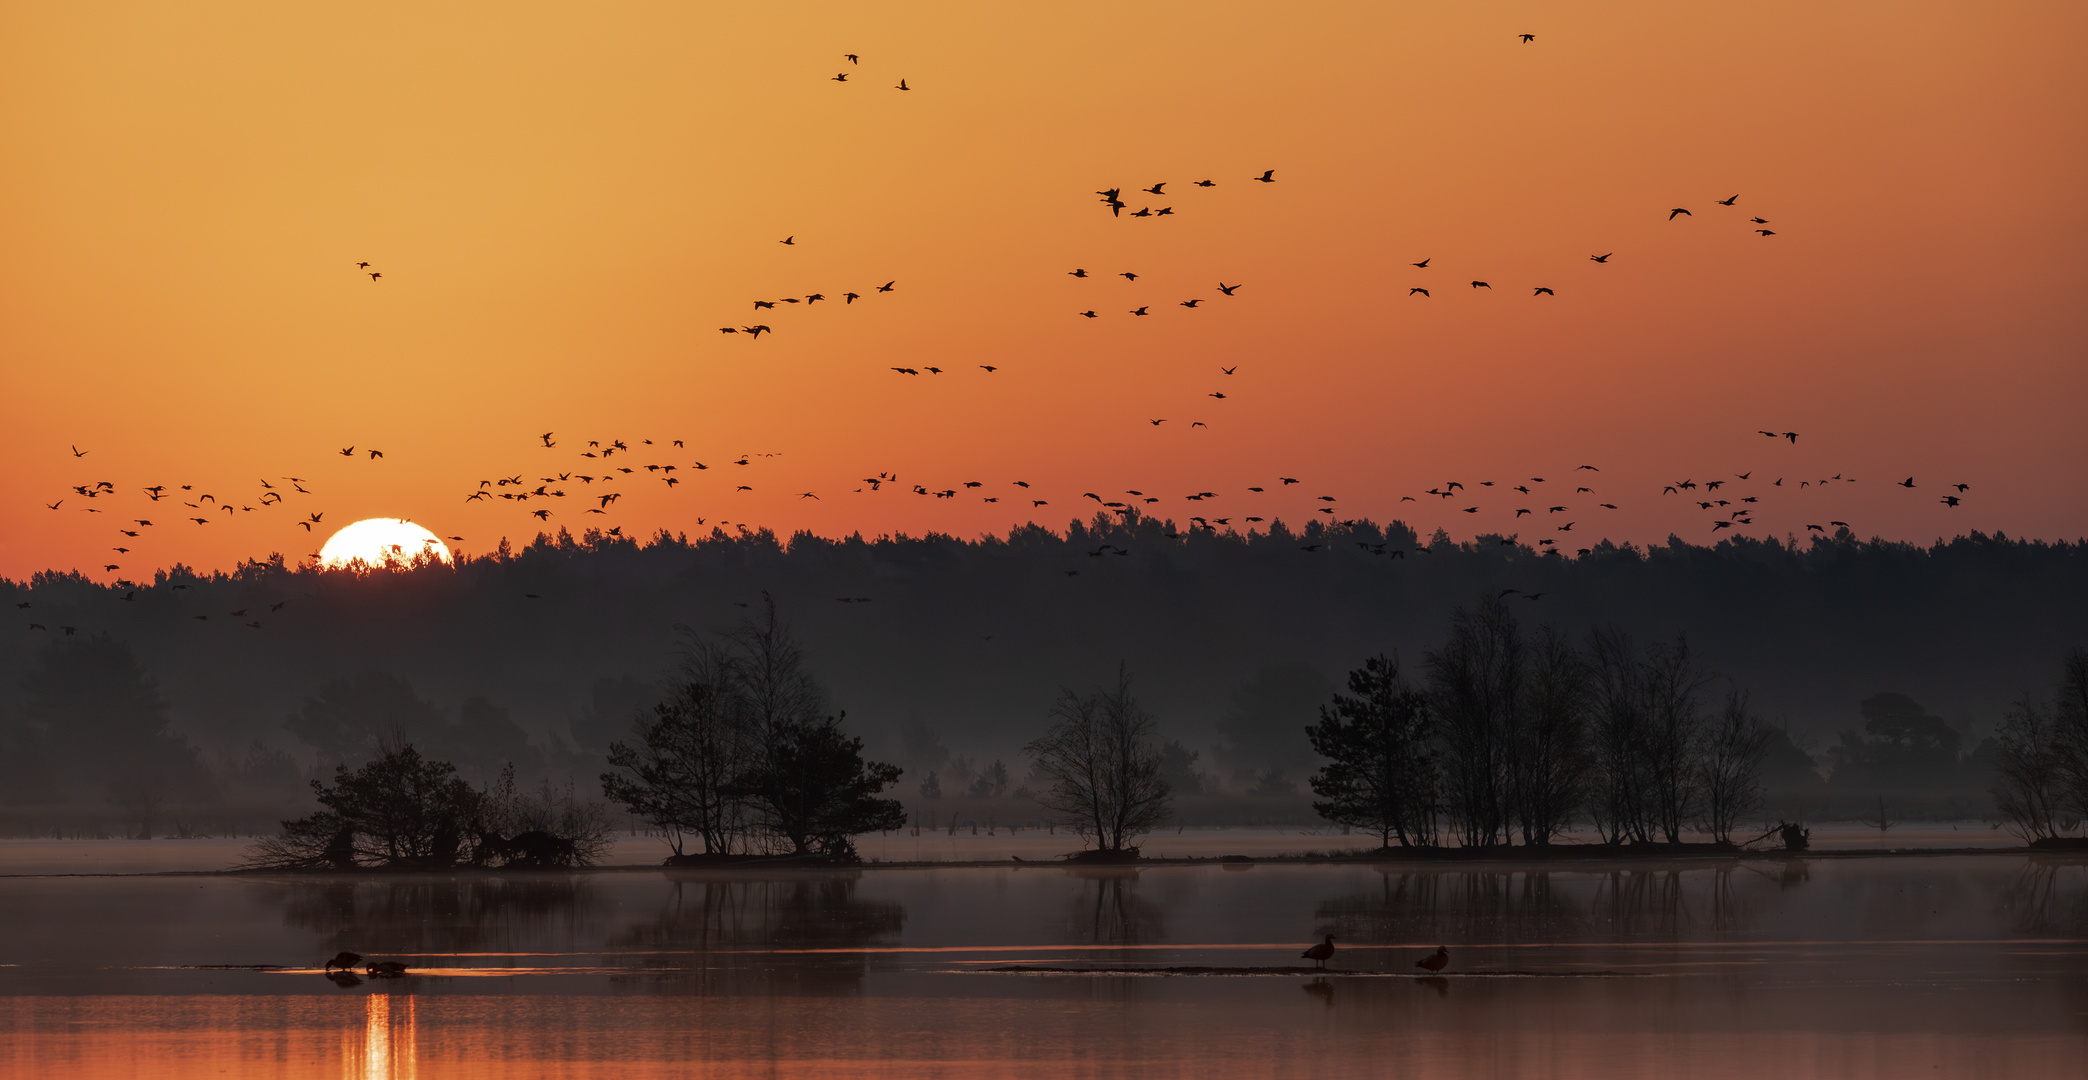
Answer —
(1381, 770)
(1102, 766)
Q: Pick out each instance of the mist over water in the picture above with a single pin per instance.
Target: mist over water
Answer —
(1954, 965)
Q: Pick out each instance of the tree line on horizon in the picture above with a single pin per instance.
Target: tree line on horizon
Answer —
(155, 711)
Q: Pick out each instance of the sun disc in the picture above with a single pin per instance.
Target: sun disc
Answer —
(375, 542)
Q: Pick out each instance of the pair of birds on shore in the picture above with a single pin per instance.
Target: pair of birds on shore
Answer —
(1433, 963)
(378, 969)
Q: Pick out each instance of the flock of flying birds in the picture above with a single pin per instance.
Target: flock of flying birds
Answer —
(1726, 501)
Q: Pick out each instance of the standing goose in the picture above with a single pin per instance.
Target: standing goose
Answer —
(1437, 962)
(1321, 953)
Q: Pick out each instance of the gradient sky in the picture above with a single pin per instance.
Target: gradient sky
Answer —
(567, 202)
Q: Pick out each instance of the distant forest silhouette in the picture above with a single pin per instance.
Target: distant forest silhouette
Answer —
(161, 708)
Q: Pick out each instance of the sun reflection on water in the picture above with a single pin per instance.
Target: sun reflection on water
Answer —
(388, 1039)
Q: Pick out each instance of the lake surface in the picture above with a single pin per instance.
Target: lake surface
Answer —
(1961, 965)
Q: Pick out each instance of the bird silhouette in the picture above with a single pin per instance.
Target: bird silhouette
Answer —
(1324, 951)
(1679, 210)
(1729, 202)
(1077, 273)
(1191, 303)
(1417, 289)
(1226, 289)
(1140, 310)
(1155, 189)
(1435, 963)
(902, 85)
(1268, 176)
(1600, 258)
(1089, 314)
(1765, 232)
(1527, 38)
(790, 240)
(1542, 291)
(1481, 285)
(842, 77)
(374, 275)
(887, 286)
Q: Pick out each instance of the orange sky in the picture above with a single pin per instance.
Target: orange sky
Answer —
(567, 201)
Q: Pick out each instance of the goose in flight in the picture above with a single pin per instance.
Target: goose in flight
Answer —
(1542, 291)
(790, 240)
(887, 286)
(1226, 289)
(902, 85)
(1527, 38)
(1600, 258)
(1765, 232)
(1679, 210)
(1481, 285)
(842, 77)
(1268, 176)
(1729, 202)
(1417, 289)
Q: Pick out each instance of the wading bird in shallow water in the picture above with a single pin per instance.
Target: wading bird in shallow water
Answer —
(344, 960)
(1320, 953)
(1435, 963)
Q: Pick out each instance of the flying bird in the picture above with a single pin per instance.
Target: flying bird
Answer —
(1527, 38)
(1481, 285)
(887, 286)
(1542, 291)
(1765, 232)
(1600, 258)
(1268, 176)
(851, 58)
(790, 240)
(1077, 273)
(902, 85)
(1729, 202)
(1226, 289)
(1191, 303)
(1417, 289)
(1679, 210)
(842, 77)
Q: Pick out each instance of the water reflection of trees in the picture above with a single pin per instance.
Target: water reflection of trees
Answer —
(723, 934)
(418, 915)
(1540, 906)
(1108, 909)
(2048, 897)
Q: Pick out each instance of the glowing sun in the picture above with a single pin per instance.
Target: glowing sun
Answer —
(377, 542)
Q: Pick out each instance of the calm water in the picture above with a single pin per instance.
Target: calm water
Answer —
(1889, 967)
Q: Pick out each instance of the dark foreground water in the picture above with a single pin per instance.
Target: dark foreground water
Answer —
(1886, 967)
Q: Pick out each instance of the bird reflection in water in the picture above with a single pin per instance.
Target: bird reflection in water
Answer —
(1323, 989)
(389, 1033)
